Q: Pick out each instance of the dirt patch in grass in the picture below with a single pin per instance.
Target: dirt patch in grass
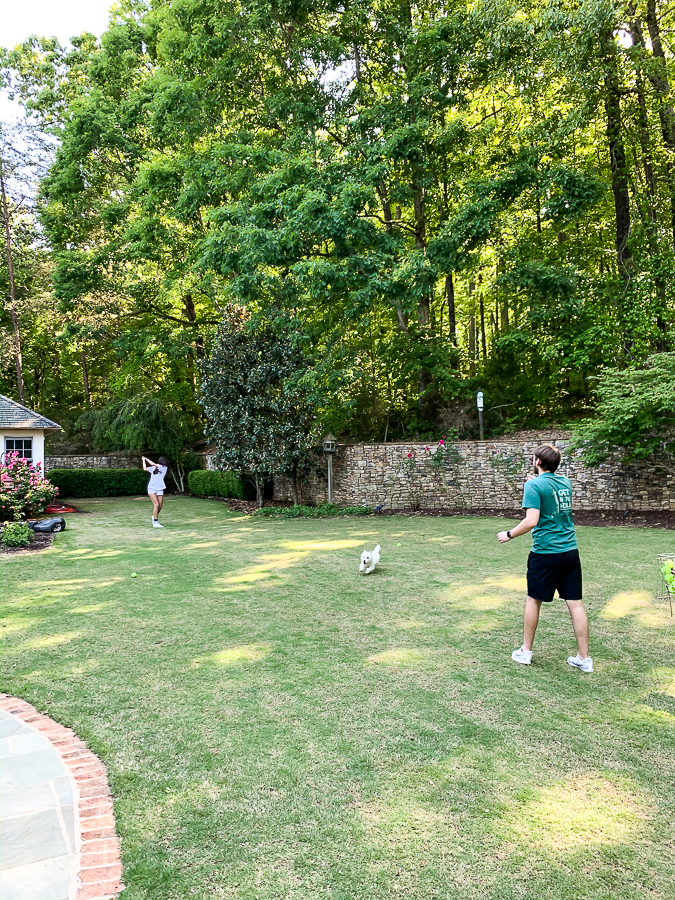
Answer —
(629, 519)
(609, 517)
(246, 506)
(76, 510)
(38, 541)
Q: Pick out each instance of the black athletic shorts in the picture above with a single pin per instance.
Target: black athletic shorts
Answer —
(551, 572)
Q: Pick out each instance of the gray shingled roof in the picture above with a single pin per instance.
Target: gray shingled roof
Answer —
(14, 415)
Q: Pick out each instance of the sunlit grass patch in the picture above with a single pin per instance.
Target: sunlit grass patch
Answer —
(515, 583)
(202, 545)
(625, 603)
(314, 545)
(580, 811)
(92, 607)
(399, 656)
(232, 656)
(88, 553)
(265, 567)
(409, 624)
(50, 640)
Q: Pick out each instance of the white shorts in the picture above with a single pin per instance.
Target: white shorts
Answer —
(158, 493)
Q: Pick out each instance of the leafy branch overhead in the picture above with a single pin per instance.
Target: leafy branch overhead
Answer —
(436, 198)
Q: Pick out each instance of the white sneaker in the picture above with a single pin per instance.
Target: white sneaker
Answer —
(155, 524)
(586, 665)
(522, 656)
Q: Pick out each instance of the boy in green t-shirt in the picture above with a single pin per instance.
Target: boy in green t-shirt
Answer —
(553, 563)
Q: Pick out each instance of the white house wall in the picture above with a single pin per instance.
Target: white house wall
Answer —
(38, 442)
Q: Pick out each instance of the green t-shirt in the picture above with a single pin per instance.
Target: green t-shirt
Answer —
(552, 495)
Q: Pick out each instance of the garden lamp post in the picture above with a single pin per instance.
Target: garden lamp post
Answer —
(479, 404)
(329, 448)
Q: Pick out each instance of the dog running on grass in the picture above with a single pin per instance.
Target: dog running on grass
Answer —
(369, 559)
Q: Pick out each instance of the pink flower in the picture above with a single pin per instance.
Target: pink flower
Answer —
(441, 443)
(409, 455)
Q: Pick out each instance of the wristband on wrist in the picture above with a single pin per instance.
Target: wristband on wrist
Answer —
(508, 534)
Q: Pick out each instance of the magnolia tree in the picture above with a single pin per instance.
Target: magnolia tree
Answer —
(259, 401)
(24, 490)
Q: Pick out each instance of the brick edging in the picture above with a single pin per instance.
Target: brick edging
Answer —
(98, 851)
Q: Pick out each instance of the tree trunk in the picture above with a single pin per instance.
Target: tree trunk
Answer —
(85, 377)
(472, 332)
(424, 305)
(643, 120)
(191, 316)
(424, 308)
(482, 330)
(617, 158)
(452, 315)
(294, 488)
(388, 224)
(505, 316)
(178, 475)
(650, 180)
(12, 295)
(658, 76)
(259, 490)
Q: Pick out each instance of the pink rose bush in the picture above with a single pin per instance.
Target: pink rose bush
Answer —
(24, 491)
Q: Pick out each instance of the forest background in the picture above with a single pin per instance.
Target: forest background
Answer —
(421, 200)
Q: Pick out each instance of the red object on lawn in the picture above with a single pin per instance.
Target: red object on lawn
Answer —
(59, 509)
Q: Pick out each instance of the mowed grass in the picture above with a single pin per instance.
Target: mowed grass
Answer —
(275, 726)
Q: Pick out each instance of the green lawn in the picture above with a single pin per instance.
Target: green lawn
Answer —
(275, 726)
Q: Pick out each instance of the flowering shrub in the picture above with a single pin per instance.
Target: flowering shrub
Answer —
(24, 490)
(16, 534)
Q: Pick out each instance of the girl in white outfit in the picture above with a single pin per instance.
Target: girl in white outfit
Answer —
(156, 486)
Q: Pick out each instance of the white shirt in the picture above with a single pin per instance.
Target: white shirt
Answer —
(156, 482)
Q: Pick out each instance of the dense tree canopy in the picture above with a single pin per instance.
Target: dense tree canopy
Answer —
(430, 197)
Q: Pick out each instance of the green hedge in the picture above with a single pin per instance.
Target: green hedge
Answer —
(99, 482)
(205, 483)
(324, 511)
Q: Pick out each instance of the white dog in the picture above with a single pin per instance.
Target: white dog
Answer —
(369, 559)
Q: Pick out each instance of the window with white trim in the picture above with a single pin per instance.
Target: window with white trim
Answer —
(22, 446)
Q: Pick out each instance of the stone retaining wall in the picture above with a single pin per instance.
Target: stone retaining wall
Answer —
(482, 475)
(110, 461)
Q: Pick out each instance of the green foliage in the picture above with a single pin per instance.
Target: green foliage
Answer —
(510, 466)
(430, 194)
(668, 572)
(16, 534)
(205, 483)
(99, 482)
(141, 422)
(322, 511)
(635, 413)
(448, 463)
